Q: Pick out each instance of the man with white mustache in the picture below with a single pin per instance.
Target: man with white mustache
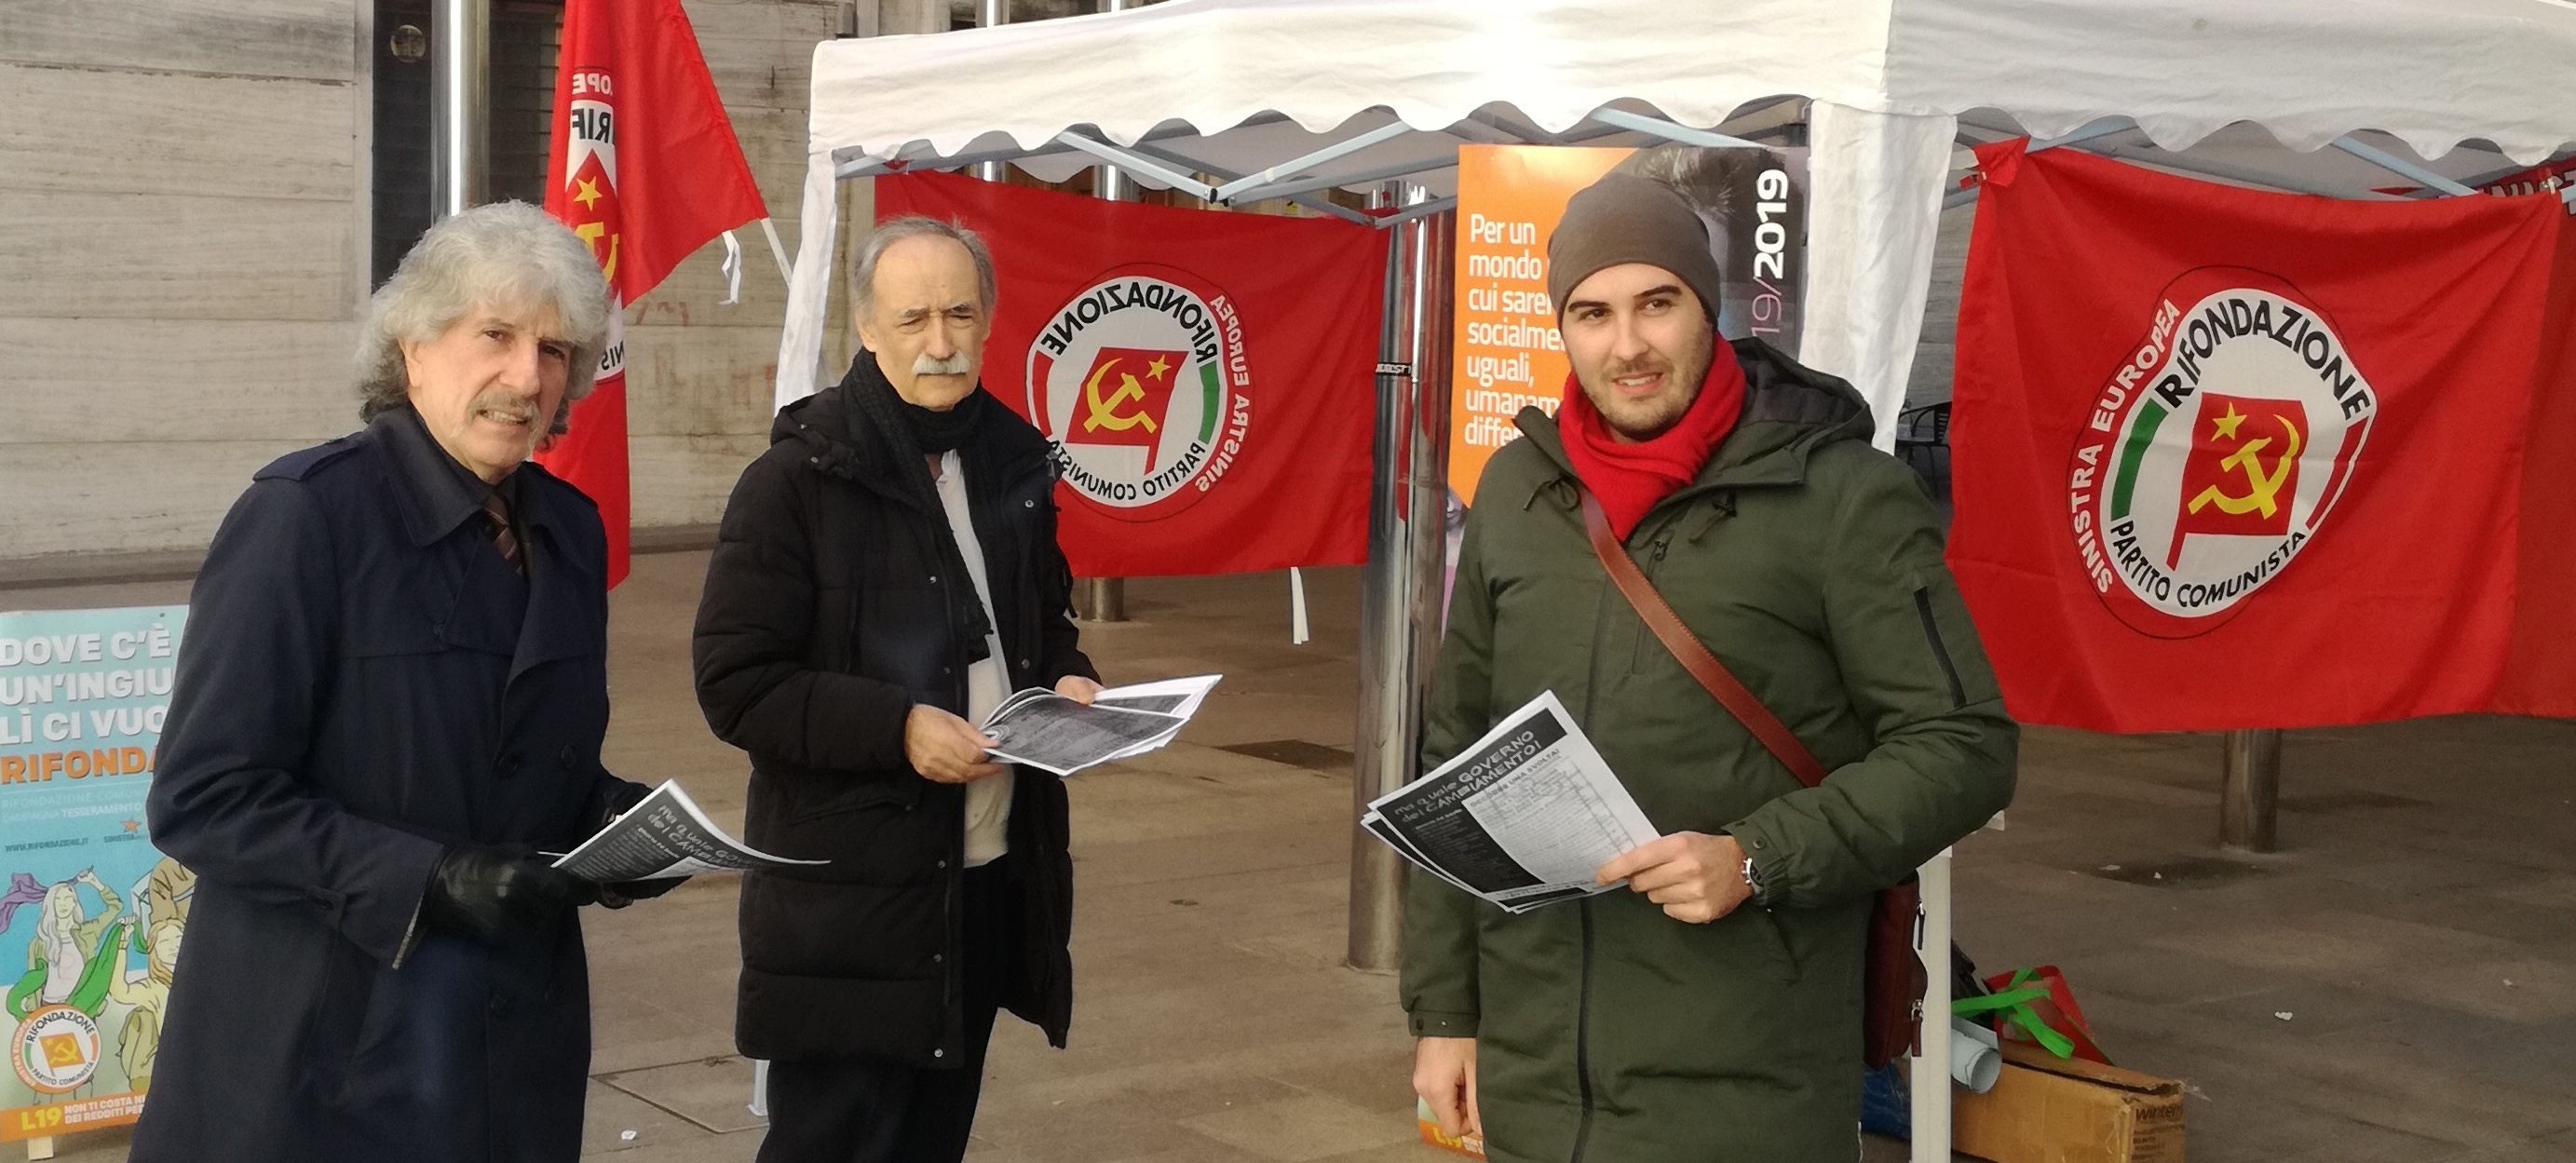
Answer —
(886, 573)
(390, 699)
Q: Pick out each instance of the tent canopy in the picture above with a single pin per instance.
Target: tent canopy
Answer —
(2433, 73)
(1285, 98)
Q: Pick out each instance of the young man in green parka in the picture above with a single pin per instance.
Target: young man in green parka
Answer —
(1713, 1011)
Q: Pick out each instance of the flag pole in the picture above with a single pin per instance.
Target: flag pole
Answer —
(778, 254)
(460, 155)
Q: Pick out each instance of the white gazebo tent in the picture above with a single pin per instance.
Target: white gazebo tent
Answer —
(1286, 98)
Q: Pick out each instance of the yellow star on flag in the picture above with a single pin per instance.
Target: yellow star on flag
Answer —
(589, 193)
(2226, 424)
(1158, 367)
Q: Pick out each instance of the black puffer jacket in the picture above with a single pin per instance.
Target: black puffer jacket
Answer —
(827, 615)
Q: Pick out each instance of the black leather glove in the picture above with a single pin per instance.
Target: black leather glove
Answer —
(618, 896)
(490, 893)
(621, 799)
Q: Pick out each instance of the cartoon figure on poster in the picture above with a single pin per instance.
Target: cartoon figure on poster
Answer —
(166, 893)
(73, 954)
(100, 913)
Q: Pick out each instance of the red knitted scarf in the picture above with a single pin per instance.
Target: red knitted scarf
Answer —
(1630, 477)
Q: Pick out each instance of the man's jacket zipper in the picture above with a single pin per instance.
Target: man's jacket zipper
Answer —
(1932, 633)
(1583, 907)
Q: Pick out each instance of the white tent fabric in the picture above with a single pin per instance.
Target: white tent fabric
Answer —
(2311, 70)
(1196, 74)
(1214, 63)
(1873, 211)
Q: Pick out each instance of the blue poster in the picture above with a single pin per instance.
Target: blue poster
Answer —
(99, 912)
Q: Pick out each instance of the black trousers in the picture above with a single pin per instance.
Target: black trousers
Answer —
(863, 1111)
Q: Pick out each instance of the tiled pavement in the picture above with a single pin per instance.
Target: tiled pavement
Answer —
(2419, 932)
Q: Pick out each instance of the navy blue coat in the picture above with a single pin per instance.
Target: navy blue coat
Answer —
(364, 682)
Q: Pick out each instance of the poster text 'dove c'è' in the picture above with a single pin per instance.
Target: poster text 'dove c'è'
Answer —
(82, 697)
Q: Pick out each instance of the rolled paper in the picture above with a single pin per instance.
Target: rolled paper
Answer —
(1975, 1062)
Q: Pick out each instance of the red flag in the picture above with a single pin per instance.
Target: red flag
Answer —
(1207, 378)
(2228, 458)
(645, 168)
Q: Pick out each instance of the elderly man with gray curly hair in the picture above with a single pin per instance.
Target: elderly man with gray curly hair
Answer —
(390, 699)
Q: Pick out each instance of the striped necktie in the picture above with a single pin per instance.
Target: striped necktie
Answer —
(496, 513)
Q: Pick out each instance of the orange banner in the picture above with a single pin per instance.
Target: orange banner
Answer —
(1508, 354)
(62, 1118)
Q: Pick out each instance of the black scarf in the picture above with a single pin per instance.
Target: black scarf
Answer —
(938, 432)
(912, 435)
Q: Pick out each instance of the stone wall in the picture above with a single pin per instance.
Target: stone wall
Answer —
(182, 192)
(183, 215)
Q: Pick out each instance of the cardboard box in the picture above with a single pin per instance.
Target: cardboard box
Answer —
(2047, 1109)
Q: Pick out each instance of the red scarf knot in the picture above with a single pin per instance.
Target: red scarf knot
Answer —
(1630, 477)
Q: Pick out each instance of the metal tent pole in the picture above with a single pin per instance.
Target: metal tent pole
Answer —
(1400, 596)
(1104, 599)
(460, 119)
(1427, 484)
(2249, 801)
(992, 14)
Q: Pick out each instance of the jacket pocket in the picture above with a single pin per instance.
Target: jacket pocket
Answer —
(358, 1018)
(864, 932)
(1952, 638)
(376, 632)
(877, 828)
(893, 793)
(1774, 939)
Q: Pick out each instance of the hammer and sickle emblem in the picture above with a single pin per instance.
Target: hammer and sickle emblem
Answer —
(589, 232)
(1104, 412)
(2263, 491)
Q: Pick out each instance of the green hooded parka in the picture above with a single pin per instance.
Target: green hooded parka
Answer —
(1810, 563)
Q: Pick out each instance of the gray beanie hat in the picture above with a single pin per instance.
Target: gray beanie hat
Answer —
(1624, 218)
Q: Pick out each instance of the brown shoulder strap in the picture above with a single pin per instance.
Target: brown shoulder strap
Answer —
(1694, 655)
